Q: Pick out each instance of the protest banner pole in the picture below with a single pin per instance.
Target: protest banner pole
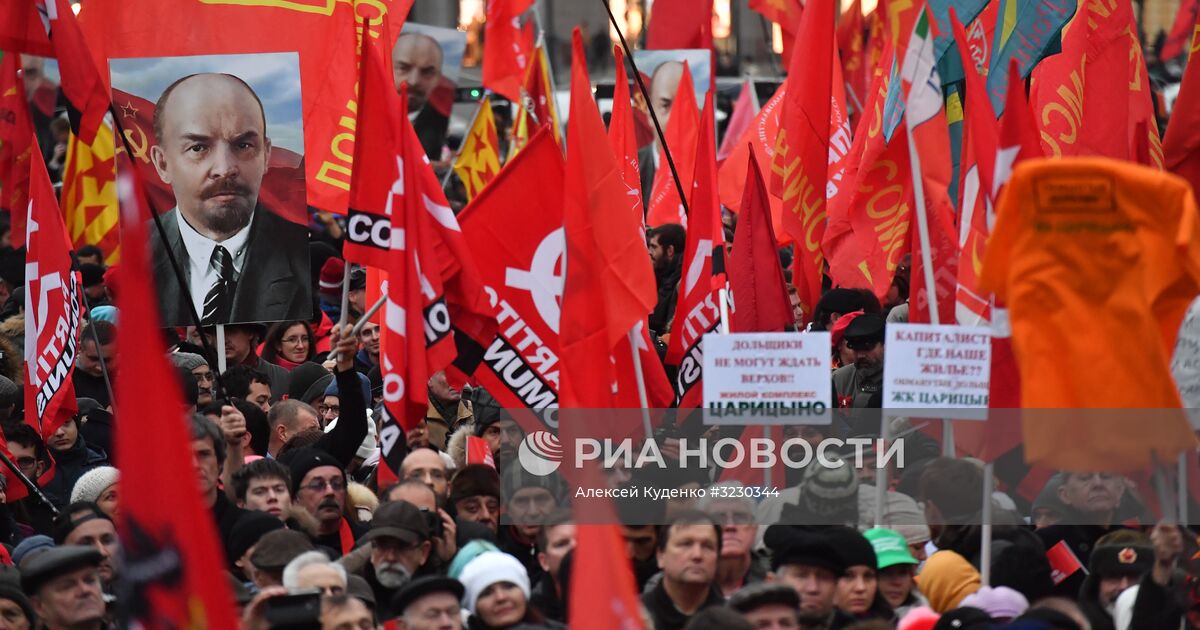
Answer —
(885, 429)
(658, 130)
(112, 400)
(1182, 477)
(221, 360)
(358, 326)
(34, 491)
(541, 42)
(643, 400)
(985, 545)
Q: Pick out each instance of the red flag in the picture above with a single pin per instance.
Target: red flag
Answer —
(980, 142)
(537, 104)
(16, 147)
(755, 275)
(1182, 36)
(698, 310)
(505, 53)
(162, 525)
(514, 227)
(609, 283)
(759, 139)
(852, 40)
(603, 591)
(680, 24)
(745, 110)
(801, 165)
(680, 133)
(21, 30)
(1063, 562)
(623, 139)
(478, 452)
(87, 99)
(1181, 147)
(52, 310)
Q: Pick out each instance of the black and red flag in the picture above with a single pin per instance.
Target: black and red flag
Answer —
(52, 310)
(173, 563)
(82, 85)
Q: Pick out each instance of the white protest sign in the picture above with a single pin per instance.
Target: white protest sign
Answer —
(767, 378)
(938, 367)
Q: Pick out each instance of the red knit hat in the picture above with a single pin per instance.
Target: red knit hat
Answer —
(332, 273)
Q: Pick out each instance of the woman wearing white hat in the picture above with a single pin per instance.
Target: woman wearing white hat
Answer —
(497, 594)
(99, 485)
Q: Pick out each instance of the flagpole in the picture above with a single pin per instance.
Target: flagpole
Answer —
(637, 76)
(362, 321)
(99, 354)
(643, 400)
(1182, 480)
(222, 362)
(885, 429)
(985, 549)
(34, 491)
(541, 42)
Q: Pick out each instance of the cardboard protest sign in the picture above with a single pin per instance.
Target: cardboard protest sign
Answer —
(767, 378)
(937, 367)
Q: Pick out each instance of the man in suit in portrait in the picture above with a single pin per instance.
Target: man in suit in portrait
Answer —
(417, 62)
(240, 262)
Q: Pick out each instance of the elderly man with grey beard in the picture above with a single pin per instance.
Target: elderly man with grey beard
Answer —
(399, 548)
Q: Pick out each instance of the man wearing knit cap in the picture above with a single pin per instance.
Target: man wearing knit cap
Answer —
(475, 495)
(10, 393)
(15, 608)
(528, 499)
(319, 486)
(200, 369)
(767, 605)
(250, 528)
(63, 584)
(502, 434)
(329, 287)
(805, 561)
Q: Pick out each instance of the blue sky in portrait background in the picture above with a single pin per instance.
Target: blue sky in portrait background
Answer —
(453, 43)
(275, 78)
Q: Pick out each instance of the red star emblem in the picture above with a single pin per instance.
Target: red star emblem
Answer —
(1127, 556)
(128, 110)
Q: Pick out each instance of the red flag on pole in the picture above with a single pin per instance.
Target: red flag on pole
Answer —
(52, 310)
(169, 538)
(745, 110)
(16, 146)
(801, 165)
(680, 24)
(21, 30)
(505, 55)
(1183, 33)
(680, 133)
(609, 283)
(603, 591)
(87, 99)
(756, 280)
(1181, 147)
(759, 139)
(623, 139)
(698, 310)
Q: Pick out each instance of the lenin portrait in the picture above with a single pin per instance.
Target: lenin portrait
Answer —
(240, 261)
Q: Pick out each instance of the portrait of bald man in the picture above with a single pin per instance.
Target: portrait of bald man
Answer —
(240, 262)
(664, 83)
(417, 62)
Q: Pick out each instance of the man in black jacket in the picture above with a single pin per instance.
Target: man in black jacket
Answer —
(687, 554)
(666, 243)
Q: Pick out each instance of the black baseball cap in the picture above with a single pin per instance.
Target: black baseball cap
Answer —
(398, 519)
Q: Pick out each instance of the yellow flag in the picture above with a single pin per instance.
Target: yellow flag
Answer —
(478, 160)
(89, 195)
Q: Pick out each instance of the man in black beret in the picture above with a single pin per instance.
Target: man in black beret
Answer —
(860, 384)
(767, 605)
(807, 562)
(272, 553)
(430, 603)
(63, 585)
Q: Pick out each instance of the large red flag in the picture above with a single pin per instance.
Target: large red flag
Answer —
(1181, 147)
(52, 310)
(515, 229)
(21, 30)
(322, 32)
(16, 146)
(505, 55)
(745, 110)
(87, 99)
(680, 24)
(759, 139)
(698, 309)
(852, 40)
(603, 591)
(756, 280)
(1182, 36)
(980, 142)
(623, 139)
(609, 285)
(801, 166)
(169, 538)
(681, 132)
